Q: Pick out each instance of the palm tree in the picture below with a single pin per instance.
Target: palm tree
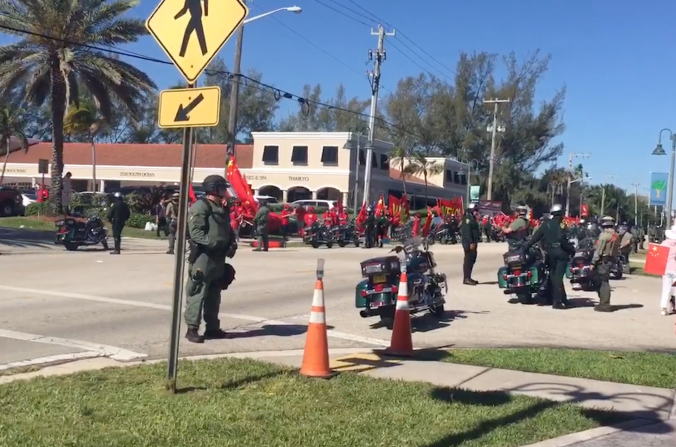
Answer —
(84, 119)
(398, 157)
(11, 125)
(59, 51)
(419, 165)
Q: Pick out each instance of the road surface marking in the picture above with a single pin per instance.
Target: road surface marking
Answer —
(51, 359)
(100, 299)
(112, 352)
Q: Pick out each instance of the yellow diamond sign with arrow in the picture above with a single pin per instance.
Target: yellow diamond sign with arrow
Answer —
(192, 32)
(189, 107)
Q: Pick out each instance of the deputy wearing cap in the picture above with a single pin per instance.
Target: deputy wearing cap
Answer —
(552, 233)
(471, 235)
(518, 230)
(607, 249)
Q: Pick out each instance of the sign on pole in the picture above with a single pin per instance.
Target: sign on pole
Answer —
(190, 107)
(192, 32)
(658, 188)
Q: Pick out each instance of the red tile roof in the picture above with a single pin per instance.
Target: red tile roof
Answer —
(396, 174)
(121, 154)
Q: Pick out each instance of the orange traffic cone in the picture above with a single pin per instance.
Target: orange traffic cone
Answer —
(316, 354)
(402, 341)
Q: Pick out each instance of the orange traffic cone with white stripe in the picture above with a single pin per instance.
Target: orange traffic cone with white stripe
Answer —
(316, 354)
(402, 341)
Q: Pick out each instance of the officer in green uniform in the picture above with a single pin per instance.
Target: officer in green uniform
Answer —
(552, 233)
(470, 233)
(626, 242)
(369, 228)
(262, 219)
(211, 241)
(518, 230)
(171, 214)
(607, 249)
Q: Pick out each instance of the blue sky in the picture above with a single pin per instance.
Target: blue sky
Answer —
(615, 57)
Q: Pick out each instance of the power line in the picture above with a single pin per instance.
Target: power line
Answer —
(341, 12)
(278, 93)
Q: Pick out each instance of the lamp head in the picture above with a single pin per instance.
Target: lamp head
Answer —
(348, 145)
(295, 9)
(659, 150)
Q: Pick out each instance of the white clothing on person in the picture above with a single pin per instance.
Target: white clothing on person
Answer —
(669, 276)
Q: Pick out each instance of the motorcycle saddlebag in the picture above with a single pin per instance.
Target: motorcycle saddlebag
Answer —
(385, 265)
(512, 258)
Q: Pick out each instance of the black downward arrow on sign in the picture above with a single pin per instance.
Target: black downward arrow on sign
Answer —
(183, 112)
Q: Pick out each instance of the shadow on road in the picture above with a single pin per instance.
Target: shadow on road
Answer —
(566, 393)
(278, 330)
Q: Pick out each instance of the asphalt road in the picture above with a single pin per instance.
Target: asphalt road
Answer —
(58, 306)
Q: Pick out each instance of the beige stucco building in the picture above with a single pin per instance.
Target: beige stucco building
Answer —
(287, 165)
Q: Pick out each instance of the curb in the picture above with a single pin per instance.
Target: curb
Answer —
(105, 362)
(594, 433)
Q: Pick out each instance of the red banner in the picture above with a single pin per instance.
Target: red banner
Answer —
(450, 207)
(656, 259)
(584, 211)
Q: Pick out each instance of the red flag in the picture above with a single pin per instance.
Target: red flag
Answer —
(584, 211)
(656, 259)
(428, 222)
(191, 194)
(404, 212)
(450, 207)
(394, 205)
(380, 207)
(361, 217)
(241, 187)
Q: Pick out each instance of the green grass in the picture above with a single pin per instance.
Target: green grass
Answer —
(244, 403)
(35, 224)
(636, 368)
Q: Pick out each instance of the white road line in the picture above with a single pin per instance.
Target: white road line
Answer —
(112, 352)
(100, 299)
(51, 359)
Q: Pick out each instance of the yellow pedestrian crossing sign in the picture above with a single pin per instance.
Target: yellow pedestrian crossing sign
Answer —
(192, 32)
(189, 107)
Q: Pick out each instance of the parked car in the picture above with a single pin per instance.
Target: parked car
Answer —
(11, 202)
(28, 198)
(328, 204)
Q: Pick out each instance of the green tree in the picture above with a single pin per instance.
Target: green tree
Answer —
(52, 68)
(399, 157)
(419, 164)
(11, 125)
(84, 120)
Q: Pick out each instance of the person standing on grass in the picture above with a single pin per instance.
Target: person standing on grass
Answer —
(667, 303)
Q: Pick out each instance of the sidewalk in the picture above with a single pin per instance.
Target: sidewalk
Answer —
(650, 407)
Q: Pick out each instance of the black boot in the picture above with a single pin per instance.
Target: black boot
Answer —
(215, 334)
(193, 336)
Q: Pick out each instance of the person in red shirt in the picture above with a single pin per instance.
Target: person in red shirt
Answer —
(286, 213)
(343, 217)
(310, 217)
(416, 224)
(300, 220)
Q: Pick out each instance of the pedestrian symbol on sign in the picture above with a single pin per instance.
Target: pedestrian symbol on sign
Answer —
(194, 25)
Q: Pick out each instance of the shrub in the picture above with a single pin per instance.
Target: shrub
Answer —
(138, 220)
(98, 200)
(39, 209)
(145, 202)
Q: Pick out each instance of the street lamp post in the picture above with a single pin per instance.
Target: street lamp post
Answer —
(570, 182)
(358, 132)
(473, 163)
(554, 188)
(636, 186)
(659, 150)
(234, 92)
(603, 193)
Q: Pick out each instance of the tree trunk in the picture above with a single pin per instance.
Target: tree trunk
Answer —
(4, 165)
(59, 99)
(426, 196)
(94, 162)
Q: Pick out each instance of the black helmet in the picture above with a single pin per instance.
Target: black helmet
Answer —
(216, 185)
(556, 210)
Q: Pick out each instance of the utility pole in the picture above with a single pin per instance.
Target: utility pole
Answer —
(636, 186)
(234, 96)
(378, 56)
(494, 131)
(570, 178)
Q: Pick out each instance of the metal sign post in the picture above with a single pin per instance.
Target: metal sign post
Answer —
(179, 267)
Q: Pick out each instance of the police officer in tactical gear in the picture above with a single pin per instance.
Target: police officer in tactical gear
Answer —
(470, 233)
(118, 214)
(171, 214)
(262, 219)
(517, 231)
(369, 228)
(211, 241)
(626, 243)
(558, 249)
(607, 249)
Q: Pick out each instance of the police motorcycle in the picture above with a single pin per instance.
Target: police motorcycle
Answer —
(319, 234)
(346, 234)
(376, 294)
(579, 270)
(618, 267)
(74, 231)
(441, 232)
(524, 274)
